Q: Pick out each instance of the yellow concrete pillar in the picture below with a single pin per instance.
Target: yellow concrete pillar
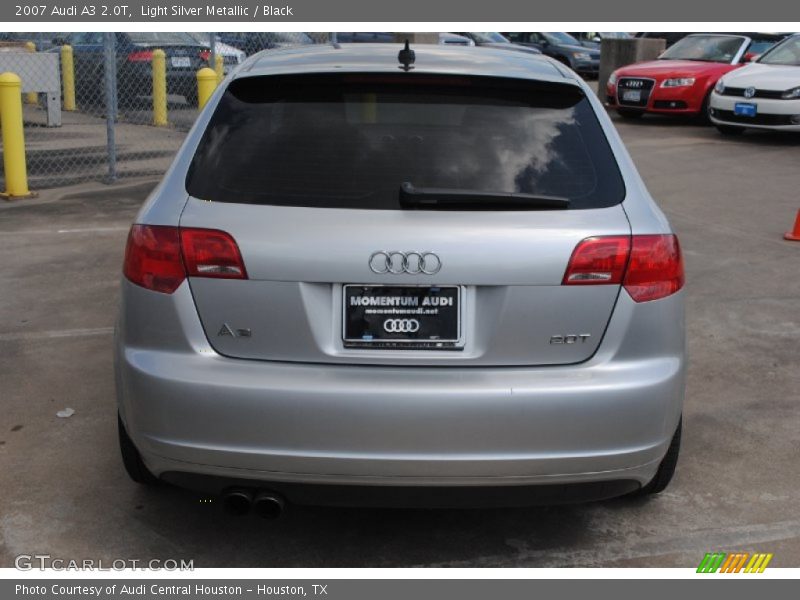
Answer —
(206, 84)
(68, 77)
(16, 173)
(159, 88)
(219, 67)
(31, 97)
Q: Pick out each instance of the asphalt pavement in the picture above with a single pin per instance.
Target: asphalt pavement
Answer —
(63, 490)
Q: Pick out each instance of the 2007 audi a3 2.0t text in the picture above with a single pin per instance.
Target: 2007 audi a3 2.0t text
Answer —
(374, 277)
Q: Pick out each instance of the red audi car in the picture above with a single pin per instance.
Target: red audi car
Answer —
(680, 81)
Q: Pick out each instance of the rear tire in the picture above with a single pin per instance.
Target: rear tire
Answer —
(132, 460)
(703, 116)
(730, 130)
(667, 467)
(627, 113)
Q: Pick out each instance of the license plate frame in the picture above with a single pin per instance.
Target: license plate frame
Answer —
(438, 328)
(745, 109)
(631, 95)
(181, 62)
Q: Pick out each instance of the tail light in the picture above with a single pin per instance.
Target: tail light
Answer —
(211, 253)
(153, 258)
(159, 257)
(140, 56)
(598, 260)
(205, 55)
(655, 269)
(648, 266)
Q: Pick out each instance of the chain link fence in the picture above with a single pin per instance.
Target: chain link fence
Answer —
(92, 108)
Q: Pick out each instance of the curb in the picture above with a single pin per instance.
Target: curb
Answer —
(92, 190)
(104, 190)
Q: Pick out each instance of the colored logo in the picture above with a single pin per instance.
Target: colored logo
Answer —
(736, 562)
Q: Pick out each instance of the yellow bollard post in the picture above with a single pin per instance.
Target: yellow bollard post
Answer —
(31, 97)
(206, 84)
(219, 67)
(16, 173)
(159, 88)
(370, 108)
(68, 77)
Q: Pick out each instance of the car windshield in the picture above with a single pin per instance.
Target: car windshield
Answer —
(160, 37)
(559, 37)
(489, 37)
(760, 46)
(200, 37)
(705, 48)
(352, 141)
(620, 35)
(785, 53)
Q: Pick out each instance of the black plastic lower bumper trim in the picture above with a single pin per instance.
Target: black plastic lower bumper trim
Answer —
(392, 496)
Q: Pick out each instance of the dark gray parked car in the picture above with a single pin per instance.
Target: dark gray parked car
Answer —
(564, 48)
(134, 51)
(592, 39)
(492, 39)
(252, 42)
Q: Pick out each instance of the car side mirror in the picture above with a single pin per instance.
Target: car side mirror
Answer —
(749, 57)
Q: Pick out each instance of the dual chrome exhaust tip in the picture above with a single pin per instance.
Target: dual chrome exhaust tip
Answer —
(264, 503)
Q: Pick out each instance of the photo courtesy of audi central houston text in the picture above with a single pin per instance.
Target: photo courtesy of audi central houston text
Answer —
(389, 275)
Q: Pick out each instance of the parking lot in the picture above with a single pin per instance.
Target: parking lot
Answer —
(63, 490)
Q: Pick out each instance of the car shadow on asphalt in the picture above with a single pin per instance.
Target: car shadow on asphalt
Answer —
(312, 536)
(750, 136)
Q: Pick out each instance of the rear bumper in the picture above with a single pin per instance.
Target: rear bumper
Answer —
(587, 67)
(400, 495)
(663, 101)
(772, 114)
(190, 410)
(139, 79)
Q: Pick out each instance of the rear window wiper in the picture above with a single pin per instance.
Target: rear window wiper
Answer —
(455, 199)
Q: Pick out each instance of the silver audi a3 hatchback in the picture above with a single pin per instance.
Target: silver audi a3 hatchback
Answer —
(378, 276)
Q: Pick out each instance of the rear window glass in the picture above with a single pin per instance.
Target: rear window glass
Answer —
(351, 141)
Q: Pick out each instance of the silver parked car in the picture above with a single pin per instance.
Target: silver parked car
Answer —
(374, 277)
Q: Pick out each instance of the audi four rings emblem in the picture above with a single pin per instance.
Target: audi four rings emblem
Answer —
(412, 263)
(401, 325)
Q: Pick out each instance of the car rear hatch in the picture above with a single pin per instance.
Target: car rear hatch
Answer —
(404, 219)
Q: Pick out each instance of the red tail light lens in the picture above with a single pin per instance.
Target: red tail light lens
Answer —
(211, 253)
(153, 258)
(141, 56)
(598, 260)
(159, 258)
(648, 266)
(205, 55)
(656, 267)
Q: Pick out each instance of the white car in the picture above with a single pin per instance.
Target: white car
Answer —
(453, 39)
(762, 95)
